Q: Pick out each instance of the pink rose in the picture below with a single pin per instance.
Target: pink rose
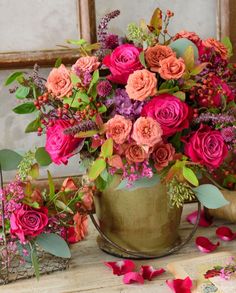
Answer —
(123, 61)
(147, 131)
(28, 221)
(59, 82)
(87, 63)
(169, 111)
(191, 36)
(59, 145)
(207, 147)
(218, 46)
(118, 128)
(171, 68)
(163, 154)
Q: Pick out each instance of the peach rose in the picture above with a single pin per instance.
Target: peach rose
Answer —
(154, 55)
(118, 128)
(162, 155)
(59, 82)
(135, 153)
(172, 68)
(192, 36)
(81, 226)
(141, 84)
(218, 46)
(87, 63)
(115, 161)
(147, 131)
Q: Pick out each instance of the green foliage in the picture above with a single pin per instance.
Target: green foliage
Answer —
(35, 263)
(74, 78)
(33, 125)
(25, 165)
(180, 46)
(181, 95)
(62, 206)
(9, 160)
(51, 185)
(77, 42)
(42, 157)
(94, 80)
(156, 21)
(12, 77)
(142, 59)
(141, 183)
(25, 108)
(58, 62)
(85, 134)
(102, 109)
(107, 148)
(96, 169)
(227, 43)
(22, 92)
(190, 176)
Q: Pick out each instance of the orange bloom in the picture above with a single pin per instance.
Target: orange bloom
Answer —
(135, 153)
(81, 226)
(172, 68)
(118, 128)
(87, 63)
(218, 46)
(163, 154)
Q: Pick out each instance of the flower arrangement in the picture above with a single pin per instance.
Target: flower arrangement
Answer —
(146, 107)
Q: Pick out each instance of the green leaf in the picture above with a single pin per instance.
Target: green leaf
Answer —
(156, 21)
(77, 42)
(61, 205)
(12, 77)
(102, 109)
(189, 57)
(25, 108)
(96, 169)
(190, 176)
(94, 80)
(34, 171)
(104, 175)
(85, 134)
(83, 96)
(141, 183)
(51, 185)
(210, 196)
(33, 126)
(107, 148)
(53, 244)
(227, 43)
(142, 59)
(181, 95)
(35, 263)
(198, 68)
(42, 157)
(22, 92)
(74, 78)
(100, 183)
(180, 46)
(9, 159)
(58, 62)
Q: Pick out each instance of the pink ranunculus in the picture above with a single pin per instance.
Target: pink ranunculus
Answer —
(123, 61)
(171, 68)
(170, 112)
(28, 222)
(218, 46)
(206, 146)
(191, 36)
(147, 132)
(163, 154)
(87, 63)
(60, 146)
(118, 128)
(59, 82)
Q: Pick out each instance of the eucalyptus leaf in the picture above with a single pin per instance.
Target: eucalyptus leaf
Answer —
(42, 157)
(141, 183)
(33, 126)
(25, 108)
(22, 92)
(9, 159)
(12, 77)
(35, 263)
(180, 46)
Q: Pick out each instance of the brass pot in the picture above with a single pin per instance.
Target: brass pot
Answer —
(141, 220)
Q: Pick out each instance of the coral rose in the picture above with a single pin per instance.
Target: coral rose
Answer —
(191, 36)
(59, 82)
(172, 68)
(170, 112)
(153, 56)
(118, 128)
(218, 46)
(163, 154)
(81, 226)
(123, 61)
(147, 131)
(207, 147)
(141, 84)
(135, 153)
(87, 63)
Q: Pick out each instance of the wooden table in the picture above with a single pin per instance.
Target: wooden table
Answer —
(87, 273)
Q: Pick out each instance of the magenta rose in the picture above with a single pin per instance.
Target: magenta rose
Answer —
(169, 111)
(28, 221)
(59, 145)
(207, 147)
(123, 61)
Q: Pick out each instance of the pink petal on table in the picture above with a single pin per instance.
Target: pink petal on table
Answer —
(203, 222)
(133, 277)
(205, 245)
(148, 272)
(225, 233)
(180, 286)
(121, 267)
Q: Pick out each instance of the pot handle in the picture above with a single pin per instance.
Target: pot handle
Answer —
(137, 255)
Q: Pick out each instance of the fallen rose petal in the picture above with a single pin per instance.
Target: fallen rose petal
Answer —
(180, 286)
(203, 222)
(225, 233)
(205, 245)
(133, 277)
(148, 272)
(121, 267)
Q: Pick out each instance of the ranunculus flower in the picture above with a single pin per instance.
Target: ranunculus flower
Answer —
(147, 131)
(28, 222)
(163, 154)
(191, 36)
(153, 56)
(59, 82)
(171, 68)
(169, 111)
(207, 147)
(218, 46)
(135, 153)
(87, 63)
(118, 128)
(60, 146)
(141, 84)
(123, 61)
(81, 226)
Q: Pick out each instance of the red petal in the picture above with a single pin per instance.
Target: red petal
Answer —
(133, 277)
(225, 233)
(121, 267)
(180, 286)
(203, 222)
(205, 245)
(148, 272)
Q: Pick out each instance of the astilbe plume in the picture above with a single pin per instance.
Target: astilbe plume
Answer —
(223, 118)
(38, 80)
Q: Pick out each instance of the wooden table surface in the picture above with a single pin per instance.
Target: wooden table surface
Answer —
(87, 273)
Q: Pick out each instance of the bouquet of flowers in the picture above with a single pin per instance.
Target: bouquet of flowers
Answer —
(146, 107)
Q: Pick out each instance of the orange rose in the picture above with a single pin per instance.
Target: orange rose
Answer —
(118, 128)
(193, 37)
(172, 68)
(59, 82)
(218, 46)
(162, 155)
(135, 153)
(141, 84)
(154, 55)
(87, 63)
(81, 226)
